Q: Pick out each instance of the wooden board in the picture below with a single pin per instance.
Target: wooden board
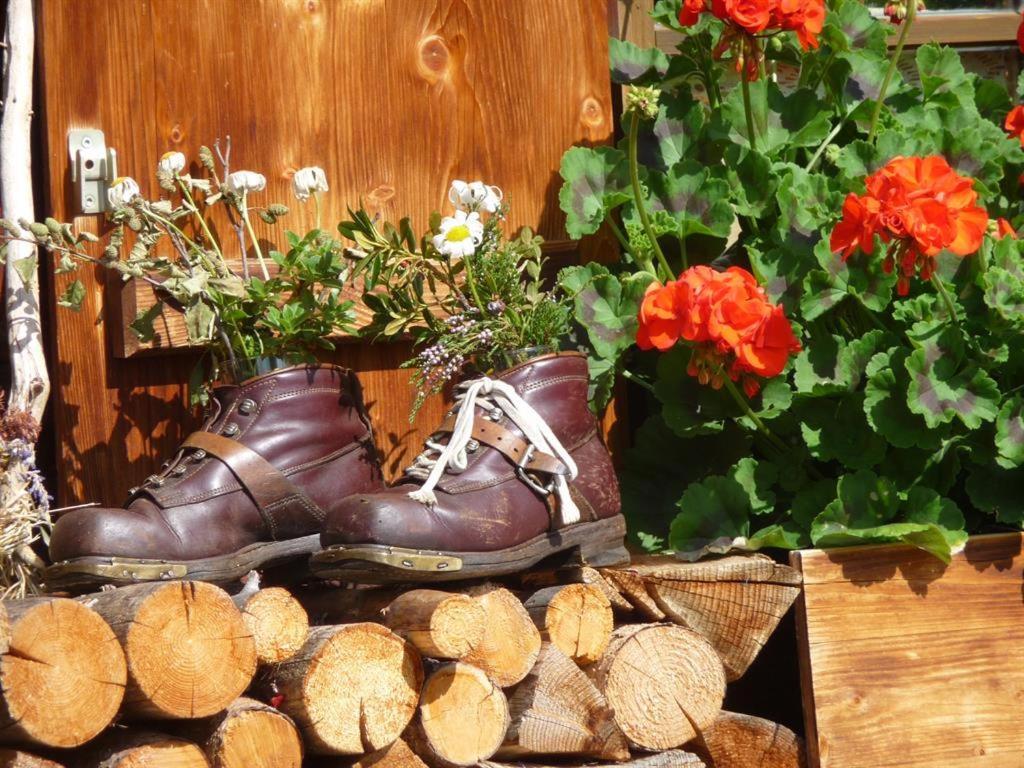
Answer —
(393, 100)
(906, 662)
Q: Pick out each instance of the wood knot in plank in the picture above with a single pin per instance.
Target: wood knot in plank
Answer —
(433, 59)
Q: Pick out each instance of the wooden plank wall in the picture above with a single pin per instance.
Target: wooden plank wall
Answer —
(909, 663)
(392, 99)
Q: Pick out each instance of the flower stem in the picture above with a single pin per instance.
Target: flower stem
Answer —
(471, 282)
(946, 298)
(741, 401)
(748, 112)
(619, 234)
(893, 63)
(630, 376)
(252, 236)
(202, 221)
(316, 204)
(825, 144)
(638, 198)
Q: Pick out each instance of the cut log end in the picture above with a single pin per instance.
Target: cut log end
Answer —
(129, 749)
(15, 758)
(439, 624)
(252, 735)
(277, 622)
(188, 650)
(351, 689)
(396, 755)
(576, 618)
(463, 716)
(557, 710)
(511, 642)
(664, 682)
(63, 676)
(743, 741)
(673, 758)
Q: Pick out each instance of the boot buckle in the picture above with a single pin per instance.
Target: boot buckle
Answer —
(526, 477)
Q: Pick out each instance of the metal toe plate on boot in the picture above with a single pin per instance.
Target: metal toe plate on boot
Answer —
(396, 557)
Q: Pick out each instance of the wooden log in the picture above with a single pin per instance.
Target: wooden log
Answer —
(631, 587)
(665, 683)
(62, 673)
(189, 653)
(734, 602)
(511, 641)
(395, 755)
(743, 741)
(673, 758)
(577, 618)
(557, 710)
(15, 758)
(441, 625)
(277, 622)
(463, 717)
(350, 689)
(575, 574)
(248, 734)
(122, 748)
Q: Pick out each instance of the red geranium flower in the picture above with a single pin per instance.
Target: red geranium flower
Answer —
(1005, 229)
(922, 206)
(660, 317)
(1015, 123)
(751, 16)
(805, 17)
(691, 11)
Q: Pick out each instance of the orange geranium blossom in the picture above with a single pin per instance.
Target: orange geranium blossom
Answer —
(1015, 123)
(921, 206)
(1003, 228)
(746, 19)
(728, 319)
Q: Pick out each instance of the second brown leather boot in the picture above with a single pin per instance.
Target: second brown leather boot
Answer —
(517, 473)
(249, 490)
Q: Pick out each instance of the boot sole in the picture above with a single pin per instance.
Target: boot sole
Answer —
(91, 572)
(599, 544)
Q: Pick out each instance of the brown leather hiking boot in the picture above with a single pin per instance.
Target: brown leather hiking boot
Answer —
(516, 473)
(249, 490)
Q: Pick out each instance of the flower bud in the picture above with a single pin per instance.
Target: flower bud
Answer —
(41, 231)
(243, 182)
(122, 191)
(277, 209)
(308, 181)
(172, 163)
(206, 158)
(643, 99)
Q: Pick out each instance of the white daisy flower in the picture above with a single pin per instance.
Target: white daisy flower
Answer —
(306, 181)
(460, 234)
(474, 196)
(122, 191)
(241, 182)
(172, 163)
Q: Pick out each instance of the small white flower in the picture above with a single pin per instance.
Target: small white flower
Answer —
(474, 196)
(241, 182)
(460, 234)
(122, 191)
(306, 181)
(172, 163)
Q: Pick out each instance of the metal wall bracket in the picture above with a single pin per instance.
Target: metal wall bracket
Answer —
(93, 167)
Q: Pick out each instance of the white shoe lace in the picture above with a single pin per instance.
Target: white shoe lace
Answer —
(494, 395)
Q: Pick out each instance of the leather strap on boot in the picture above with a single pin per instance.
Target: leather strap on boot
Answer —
(265, 484)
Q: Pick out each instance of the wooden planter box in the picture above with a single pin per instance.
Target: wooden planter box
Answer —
(908, 662)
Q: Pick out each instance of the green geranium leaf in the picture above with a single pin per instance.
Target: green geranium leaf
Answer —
(796, 119)
(686, 201)
(608, 308)
(945, 533)
(943, 78)
(779, 536)
(596, 182)
(810, 501)
(831, 365)
(1010, 433)
(840, 431)
(1003, 281)
(687, 407)
(998, 491)
(756, 479)
(885, 402)
(858, 159)
(602, 382)
(672, 136)
(632, 64)
(867, 73)
(944, 385)
(752, 181)
(73, 296)
(715, 507)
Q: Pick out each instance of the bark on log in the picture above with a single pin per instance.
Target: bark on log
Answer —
(15, 758)
(631, 587)
(463, 717)
(511, 641)
(397, 755)
(743, 741)
(62, 674)
(122, 748)
(350, 689)
(277, 622)
(189, 653)
(557, 710)
(576, 618)
(441, 625)
(665, 683)
(735, 602)
(673, 758)
(248, 734)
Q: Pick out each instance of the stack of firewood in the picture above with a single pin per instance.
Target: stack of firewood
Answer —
(577, 666)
